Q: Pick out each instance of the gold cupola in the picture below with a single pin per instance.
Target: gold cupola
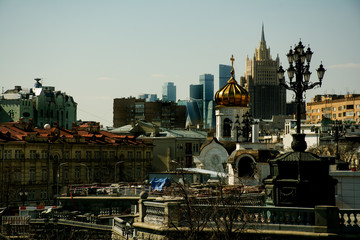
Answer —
(232, 94)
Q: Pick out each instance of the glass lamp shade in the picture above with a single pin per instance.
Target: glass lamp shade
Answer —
(291, 72)
(303, 57)
(280, 73)
(296, 55)
(308, 55)
(290, 56)
(300, 48)
(307, 74)
(321, 71)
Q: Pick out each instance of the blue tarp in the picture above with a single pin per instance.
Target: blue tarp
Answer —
(157, 184)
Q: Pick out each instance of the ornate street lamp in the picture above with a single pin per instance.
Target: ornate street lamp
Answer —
(246, 129)
(299, 62)
(337, 131)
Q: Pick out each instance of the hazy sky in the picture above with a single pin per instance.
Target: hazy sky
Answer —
(100, 50)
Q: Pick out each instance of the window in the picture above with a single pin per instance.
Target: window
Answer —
(350, 114)
(358, 106)
(112, 155)
(313, 110)
(44, 174)
(105, 155)
(31, 195)
(32, 154)
(65, 173)
(334, 115)
(339, 114)
(88, 155)
(43, 194)
(17, 175)
(32, 175)
(66, 155)
(18, 154)
(97, 155)
(318, 110)
(138, 155)
(339, 108)
(130, 156)
(77, 155)
(148, 155)
(357, 113)
(227, 127)
(44, 154)
(77, 172)
(7, 154)
(334, 109)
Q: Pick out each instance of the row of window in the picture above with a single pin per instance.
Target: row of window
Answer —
(334, 115)
(334, 109)
(104, 155)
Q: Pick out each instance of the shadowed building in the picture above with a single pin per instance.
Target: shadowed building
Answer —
(164, 114)
(267, 98)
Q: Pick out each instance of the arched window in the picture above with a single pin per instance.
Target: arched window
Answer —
(246, 167)
(227, 127)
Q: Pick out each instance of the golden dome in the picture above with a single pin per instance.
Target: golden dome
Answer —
(232, 94)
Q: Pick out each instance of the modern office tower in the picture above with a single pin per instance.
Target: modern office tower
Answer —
(149, 97)
(196, 91)
(224, 74)
(267, 98)
(40, 104)
(169, 92)
(164, 114)
(207, 80)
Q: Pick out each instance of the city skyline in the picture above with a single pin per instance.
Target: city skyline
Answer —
(97, 51)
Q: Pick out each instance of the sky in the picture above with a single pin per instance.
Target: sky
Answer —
(97, 51)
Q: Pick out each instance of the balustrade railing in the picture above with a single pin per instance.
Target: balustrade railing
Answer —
(154, 212)
(350, 220)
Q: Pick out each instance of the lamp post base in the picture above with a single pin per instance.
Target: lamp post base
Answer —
(299, 144)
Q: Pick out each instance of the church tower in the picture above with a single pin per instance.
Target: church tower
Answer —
(232, 103)
(261, 81)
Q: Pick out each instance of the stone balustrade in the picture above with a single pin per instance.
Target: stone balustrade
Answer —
(350, 220)
(321, 219)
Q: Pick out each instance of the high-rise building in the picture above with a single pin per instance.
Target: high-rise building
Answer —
(224, 74)
(149, 97)
(267, 98)
(42, 104)
(207, 81)
(196, 91)
(169, 92)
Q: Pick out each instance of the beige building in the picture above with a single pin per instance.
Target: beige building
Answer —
(345, 108)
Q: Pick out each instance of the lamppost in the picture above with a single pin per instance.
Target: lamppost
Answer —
(237, 127)
(299, 62)
(247, 122)
(338, 130)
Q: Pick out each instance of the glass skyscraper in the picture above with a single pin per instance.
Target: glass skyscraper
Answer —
(169, 92)
(224, 74)
(207, 81)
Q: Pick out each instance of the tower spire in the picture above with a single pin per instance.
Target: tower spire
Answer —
(262, 33)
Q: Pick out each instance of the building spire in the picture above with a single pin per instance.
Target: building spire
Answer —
(262, 34)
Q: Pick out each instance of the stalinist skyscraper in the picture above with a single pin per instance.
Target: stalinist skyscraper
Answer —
(267, 98)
